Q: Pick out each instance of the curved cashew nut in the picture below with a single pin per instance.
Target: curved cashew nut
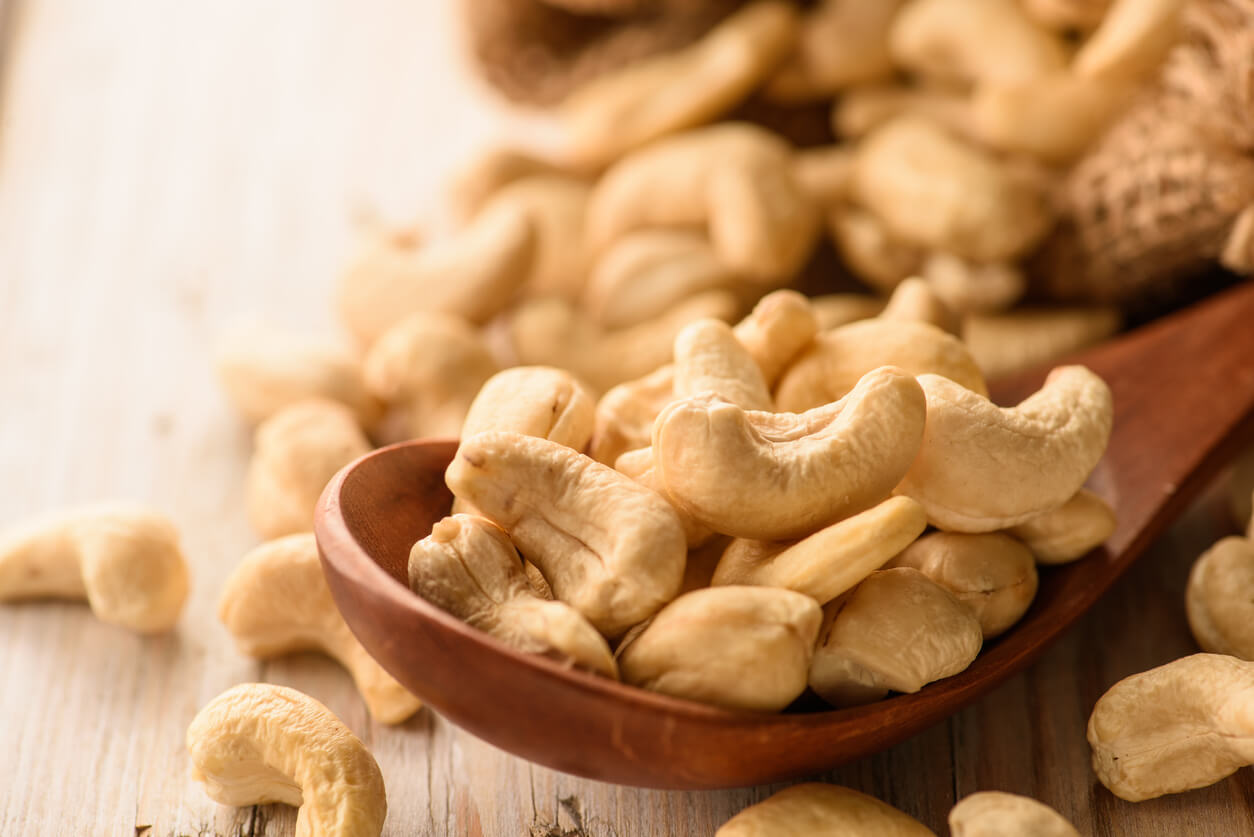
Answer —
(1069, 531)
(554, 206)
(816, 808)
(983, 468)
(841, 44)
(1131, 41)
(1219, 599)
(257, 743)
(709, 358)
(481, 177)
(998, 814)
(773, 476)
(277, 602)
(124, 560)
(1180, 726)
(778, 328)
(610, 548)
(969, 288)
(1054, 118)
(540, 401)
(914, 301)
(468, 567)
(868, 248)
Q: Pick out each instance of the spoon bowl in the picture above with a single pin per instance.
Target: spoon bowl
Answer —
(1183, 391)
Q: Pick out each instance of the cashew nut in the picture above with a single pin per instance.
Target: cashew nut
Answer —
(638, 464)
(866, 247)
(295, 453)
(992, 574)
(709, 358)
(773, 476)
(625, 414)
(277, 602)
(1131, 41)
(896, 631)
(1180, 726)
(1082, 15)
(1011, 341)
(998, 814)
(863, 109)
(612, 549)
(490, 171)
(1219, 598)
(841, 43)
(820, 810)
(257, 743)
(1054, 118)
(835, 310)
(824, 173)
(468, 567)
(914, 301)
(702, 561)
(736, 647)
(776, 330)
(1069, 531)
(124, 561)
(983, 468)
(832, 560)
(537, 401)
(970, 288)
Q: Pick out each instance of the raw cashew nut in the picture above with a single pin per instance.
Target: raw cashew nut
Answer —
(842, 43)
(968, 288)
(124, 561)
(820, 810)
(1011, 341)
(825, 173)
(863, 109)
(554, 206)
(935, 190)
(897, 630)
(468, 567)
(625, 414)
(982, 467)
(772, 476)
(539, 401)
(1069, 531)
(736, 647)
(835, 310)
(638, 464)
(866, 247)
(998, 814)
(490, 171)
(1054, 118)
(295, 453)
(1180, 726)
(992, 574)
(734, 178)
(1219, 598)
(709, 358)
(1131, 41)
(264, 370)
(277, 602)
(914, 301)
(837, 360)
(257, 743)
(473, 275)
(671, 92)
(832, 560)
(776, 330)
(430, 366)
(610, 548)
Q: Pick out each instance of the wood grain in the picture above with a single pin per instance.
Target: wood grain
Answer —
(165, 167)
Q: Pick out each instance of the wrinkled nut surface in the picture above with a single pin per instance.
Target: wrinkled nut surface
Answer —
(736, 647)
(277, 602)
(618, 112)
(966, 288)
(124, 560)
(609, 547)
(820, 810)
(771, 476)
(468, 567)
(776, 330)
(914, 301)
(1069, 531)
(837, 359)
(1219, 599)
(257, 743)
(1009, 341)
(554, 206)
(841, 43)
(935, 190)
(1131, 41)
(540, 401)
(264, 370)
(295, 453)
(875, 255)
(998, 814)
(992, 574)
(896, 631)
(709, 358)
(982, 467)
(1180, 726)
(832, 560)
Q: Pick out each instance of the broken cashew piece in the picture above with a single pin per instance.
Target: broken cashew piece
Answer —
(821, 810)
(998, 814)
(124, 560)
(709, 358)
(1219, 599)
(257, 743)
(277, 602)
(468, 567)
(1069, 531)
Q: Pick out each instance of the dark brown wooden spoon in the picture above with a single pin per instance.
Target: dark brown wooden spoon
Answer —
(1183, 388)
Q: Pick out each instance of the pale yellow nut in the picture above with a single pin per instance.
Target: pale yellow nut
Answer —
(835, 310)
(649, 99)
(257, 743)
(1083, 15)
(1219, 598)
(778, 328)
(841, 43)
(998, 814)
(474, 275)
(982, 467)
(824, 173)
(537, 401)
(1180, 726)
(914, 301)
(861, 110)
(837, 359)
(896, 631)
(820, 810)
(736, 647)
(264, 370)
(936, 190)
(1069, 531)
(429, 366)
(867, 247)
(468, 567)
(489, 171)
(965, 287)
(277, 602)
(1011, 341)
(625, 414)
(124, 560)
(612, 549)
(974, 40)
(638, 464)
(1054, 118)
(992, 574)
(772, 476)
(1131, 42)
(709, 358)
(832, 560)
(702, 561)
(555, 206)
(295, 453)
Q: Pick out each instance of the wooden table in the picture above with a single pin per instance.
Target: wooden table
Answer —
(166, 167)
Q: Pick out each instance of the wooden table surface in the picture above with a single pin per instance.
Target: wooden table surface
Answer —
(168, 167)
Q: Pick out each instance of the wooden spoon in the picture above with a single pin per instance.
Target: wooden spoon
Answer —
(1183, 388)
